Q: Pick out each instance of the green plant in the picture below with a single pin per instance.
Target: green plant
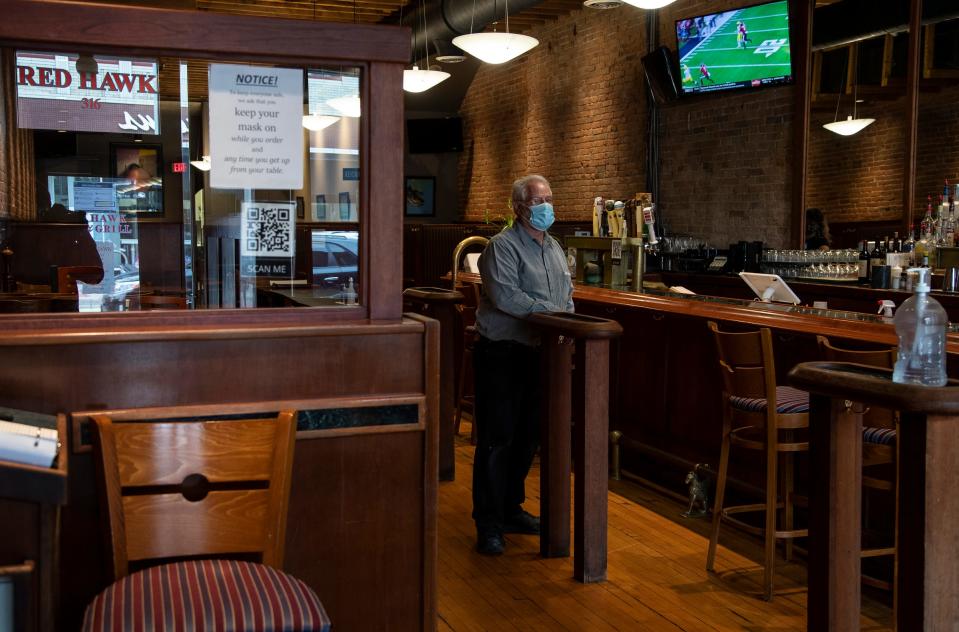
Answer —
(504, 221)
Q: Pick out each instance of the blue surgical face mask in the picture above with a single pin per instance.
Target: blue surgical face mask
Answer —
(541, 216)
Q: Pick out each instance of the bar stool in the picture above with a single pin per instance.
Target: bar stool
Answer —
(755, 411)
(880, 426)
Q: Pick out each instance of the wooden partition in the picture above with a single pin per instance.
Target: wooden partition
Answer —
(362, 525)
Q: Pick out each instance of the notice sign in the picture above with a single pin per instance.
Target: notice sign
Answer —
(267, 242)
(256, 132)
(65, 91)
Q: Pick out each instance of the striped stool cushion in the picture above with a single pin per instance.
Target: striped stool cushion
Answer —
(207, 595)
(788, 400)
(881, 436)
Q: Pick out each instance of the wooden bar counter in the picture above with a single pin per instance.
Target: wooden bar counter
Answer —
(664, 383)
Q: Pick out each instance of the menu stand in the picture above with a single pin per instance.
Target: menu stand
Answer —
(586, 432)
(46, 487)
(440, 304)
(927, 577)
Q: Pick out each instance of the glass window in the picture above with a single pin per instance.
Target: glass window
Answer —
(227, 185)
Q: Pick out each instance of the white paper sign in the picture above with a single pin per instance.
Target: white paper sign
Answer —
(256, 132)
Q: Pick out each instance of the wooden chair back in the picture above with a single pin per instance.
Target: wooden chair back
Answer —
(153, 301)
(178, 484)
(882, 358)
(746, 363)
(67, 277)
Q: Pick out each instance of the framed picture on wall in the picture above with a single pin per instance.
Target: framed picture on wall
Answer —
(420, 196)
(142, 166)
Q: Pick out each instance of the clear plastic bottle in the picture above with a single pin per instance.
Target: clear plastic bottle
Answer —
(921, 326)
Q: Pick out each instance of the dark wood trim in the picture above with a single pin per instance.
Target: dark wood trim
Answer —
(384, 225)
(835, 453)
(801, 22)
(141, 30)
(431, 438)
(913, 74)
(591, 447)
(79, 336)
(306, 435)
(556, 450)
(875, 386)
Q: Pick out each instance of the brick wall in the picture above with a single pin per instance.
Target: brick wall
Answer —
(574, 110)
(859, 178)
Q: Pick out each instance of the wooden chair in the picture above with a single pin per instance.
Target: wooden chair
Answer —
(755, 413)
(879, 447)
(150, 302)
(180, 485)
(67, 277)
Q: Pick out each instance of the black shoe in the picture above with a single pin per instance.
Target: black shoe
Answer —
(523, 522)
(490, 544)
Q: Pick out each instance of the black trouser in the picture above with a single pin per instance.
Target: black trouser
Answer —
(507, 385)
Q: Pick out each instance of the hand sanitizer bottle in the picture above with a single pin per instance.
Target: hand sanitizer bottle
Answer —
(921, 326)
(350, 294)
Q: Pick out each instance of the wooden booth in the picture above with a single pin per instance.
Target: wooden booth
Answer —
(361, 525)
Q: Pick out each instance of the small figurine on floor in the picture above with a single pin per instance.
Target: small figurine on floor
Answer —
(698, 501)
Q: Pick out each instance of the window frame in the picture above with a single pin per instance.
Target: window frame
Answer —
(380, 53)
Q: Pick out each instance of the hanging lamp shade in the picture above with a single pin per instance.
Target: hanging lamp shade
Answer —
(417, 80)
(347, 106)
(649, 4)
(495, 48)
(316, 122)
(850, 126)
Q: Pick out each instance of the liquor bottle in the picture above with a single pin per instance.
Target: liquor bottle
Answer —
(910, 244)
(927, 226)
(896, 245)
(863, 263)
(876, 258)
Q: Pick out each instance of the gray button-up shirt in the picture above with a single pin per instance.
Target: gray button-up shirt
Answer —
(521, 277)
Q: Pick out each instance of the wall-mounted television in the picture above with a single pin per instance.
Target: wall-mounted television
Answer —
(741, 48)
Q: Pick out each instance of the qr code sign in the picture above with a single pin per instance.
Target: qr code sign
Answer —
(267, 230)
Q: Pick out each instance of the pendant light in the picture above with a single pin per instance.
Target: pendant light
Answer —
(649, 4)
(851, 125)
(417, 80)
(347, 106)
(317, 122)
(495, 48)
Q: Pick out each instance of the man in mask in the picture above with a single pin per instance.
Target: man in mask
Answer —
(524, 271)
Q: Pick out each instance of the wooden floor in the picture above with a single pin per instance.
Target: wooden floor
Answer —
(657, 577)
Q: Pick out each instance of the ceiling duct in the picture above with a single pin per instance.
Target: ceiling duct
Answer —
(447, 19)
(850, 21)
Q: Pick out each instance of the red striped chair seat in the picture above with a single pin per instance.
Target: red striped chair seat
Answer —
(207, 595)
(788, 400)
(881, 436)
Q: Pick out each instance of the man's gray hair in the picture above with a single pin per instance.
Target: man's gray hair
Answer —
(521, 188)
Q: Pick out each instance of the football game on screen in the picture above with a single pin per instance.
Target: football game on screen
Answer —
(747, 47)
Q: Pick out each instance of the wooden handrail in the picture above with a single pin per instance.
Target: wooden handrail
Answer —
(927, 580)
(873, 385)
(577, 325)
(433, 295)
